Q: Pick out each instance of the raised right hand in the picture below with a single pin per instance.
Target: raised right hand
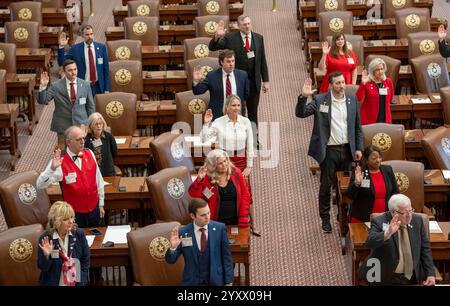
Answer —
(442, 32)
(46, 246)
(358, 176)
(174, 238)
(221, 31)
(197, 74)
(208, 116)
(307, 90)
(394, 225)
(325, 47)
(56, 161)
(63, 40)
(45, 79)
(201, 173)
(364, 77)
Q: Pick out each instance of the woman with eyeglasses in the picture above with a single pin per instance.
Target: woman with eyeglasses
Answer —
(371, 186)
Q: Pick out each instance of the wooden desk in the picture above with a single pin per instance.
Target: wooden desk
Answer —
(162, 55)
(169, 81)
(135, 151)
(8, 117)
(119, 254)
(48, 36)
(124, 2)
(28, 58)
(156, 113)
(358, 232)
(435, 192)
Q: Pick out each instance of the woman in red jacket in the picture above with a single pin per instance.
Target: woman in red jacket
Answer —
(375, 93)
(222, 185)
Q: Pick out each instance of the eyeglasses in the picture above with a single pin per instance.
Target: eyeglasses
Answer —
(410, 212)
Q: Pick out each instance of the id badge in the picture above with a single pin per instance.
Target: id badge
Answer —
(186, 242)
(383, 91)
(323, 108)
(100, 60)
(385, 226)
(207, 193)
(365, 183)
(350, 60)
(97, 143)
(71, 178)
(82, 101)
(250, 54)
(55, 254)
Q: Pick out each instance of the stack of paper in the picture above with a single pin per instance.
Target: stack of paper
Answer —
(446, 174)
(117, 234)
(434, 228)
(90, 239)
(420, 100)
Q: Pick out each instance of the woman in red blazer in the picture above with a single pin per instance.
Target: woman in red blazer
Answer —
(375, 92)
(222, 185)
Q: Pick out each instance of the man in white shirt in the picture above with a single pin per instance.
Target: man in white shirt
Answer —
(80, 178)
(337, 137)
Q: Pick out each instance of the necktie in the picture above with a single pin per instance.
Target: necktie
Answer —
(247, 43)
(203, 241)
(228, 86)
(73, 95)
(91, 64)
(405, 264)
(75, 157)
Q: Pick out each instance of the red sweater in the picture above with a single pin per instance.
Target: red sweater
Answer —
(243, 196)
(368, 95)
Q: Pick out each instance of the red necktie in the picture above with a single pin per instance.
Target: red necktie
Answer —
(91, 65)
(228, 86)
(73, 95)
(203, 241)
(247, 44)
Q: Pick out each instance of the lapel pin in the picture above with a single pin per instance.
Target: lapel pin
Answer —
(214, 228)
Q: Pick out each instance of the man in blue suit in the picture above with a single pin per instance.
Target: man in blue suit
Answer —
(221, 83)
(91, 59)
(205, 248)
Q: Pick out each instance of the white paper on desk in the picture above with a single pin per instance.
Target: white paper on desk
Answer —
(420, 100)
(437, 97)
(117, 233)
(446, 174)
(90, 239)
(434, 227)
(121, 140)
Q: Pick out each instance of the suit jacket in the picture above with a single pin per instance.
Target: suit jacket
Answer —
(76, 53)
(214, 83)
(443, 49)
(387, 251)
(51, 268)
(221, 262)
(363, 198)
(233, 41)
(67, 114)
(322, 124)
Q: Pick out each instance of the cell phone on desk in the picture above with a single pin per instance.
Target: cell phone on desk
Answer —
(95, 231)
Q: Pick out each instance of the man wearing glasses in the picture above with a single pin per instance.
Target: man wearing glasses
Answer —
(79, 177)
(400, 249)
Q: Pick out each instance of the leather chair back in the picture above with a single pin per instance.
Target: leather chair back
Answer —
(144, 29)
(126, 76)
(329, 5)
(52, 3)
(18, 255)
(445, 100)
(354, 43)
(124, 49)
(391, 6)
(119, 111)
(422, 43)
(8, 57)
(147, 247)
(392, 65)
(206, 26)
(411, 20)
(430, 73)
(436, 145)
(409, 177)
(143, 8)
(3, 97)
(22, 203)
(213, 7)
(170, 150)
(170, 189)
(191, 107)
(207, 64)
(25, 34)
(389, 138)
(198, 48)
(26, 11)
(331, 23)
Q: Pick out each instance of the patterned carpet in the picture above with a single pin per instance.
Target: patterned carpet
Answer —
(292, 250)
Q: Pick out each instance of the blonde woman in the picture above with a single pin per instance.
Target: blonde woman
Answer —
(102, 143)
(63, 250)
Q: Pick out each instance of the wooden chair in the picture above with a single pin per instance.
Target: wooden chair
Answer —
(191, 107)
(331, 23)
(391, 6)
(330, 5)
(389, 138)
(143, 8)
(430, 73)
(445, 100)
(8, 57)
(436, 145)
(126, 76)
(198, 48)
(411, 20)
(24, 34)
(144, 29)
(124, 49)
(206, 26)
(213, 7)
(206, 64)
(26, 11)
(422, 43)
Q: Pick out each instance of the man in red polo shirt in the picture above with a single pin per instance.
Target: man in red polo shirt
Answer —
(80, 178)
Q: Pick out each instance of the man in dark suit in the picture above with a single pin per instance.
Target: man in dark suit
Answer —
(221, 83)
(336, 138)
(73, 100)
(91, 58)
(250, 56)
(400, 248)
(205, 248)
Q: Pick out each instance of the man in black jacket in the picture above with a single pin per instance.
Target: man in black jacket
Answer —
(248, 47)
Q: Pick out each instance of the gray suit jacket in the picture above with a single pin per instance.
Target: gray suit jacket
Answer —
(322, 124)
(67, 114)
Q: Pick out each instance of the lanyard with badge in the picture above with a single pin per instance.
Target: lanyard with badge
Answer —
(186, 241)
(365, 183)
(382, 91)
(324, 108)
